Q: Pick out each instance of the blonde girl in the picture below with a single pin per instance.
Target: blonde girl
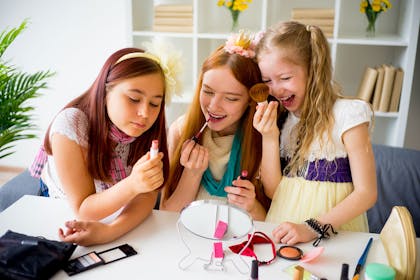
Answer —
(323, 177)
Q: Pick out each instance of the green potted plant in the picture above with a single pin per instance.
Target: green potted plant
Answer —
(16, 88)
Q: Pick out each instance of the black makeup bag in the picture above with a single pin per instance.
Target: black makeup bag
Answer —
(30, 257)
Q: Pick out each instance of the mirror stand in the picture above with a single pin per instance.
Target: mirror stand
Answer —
(193, 221)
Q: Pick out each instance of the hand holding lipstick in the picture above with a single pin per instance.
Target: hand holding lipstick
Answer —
(147, 172)
(242, 192)
(194, 157)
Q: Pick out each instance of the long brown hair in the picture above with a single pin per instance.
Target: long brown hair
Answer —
(246, 71)
(92, 103)
(306, 46)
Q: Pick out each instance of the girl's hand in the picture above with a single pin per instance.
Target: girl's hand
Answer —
(265, 119)
(84, 233)
(242, 194)
(147, 173)
(291, 233)
(194, 157)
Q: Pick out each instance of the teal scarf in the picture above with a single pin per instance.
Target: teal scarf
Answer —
(232, 170)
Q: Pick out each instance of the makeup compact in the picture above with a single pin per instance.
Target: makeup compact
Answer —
(94, 259)
(290, 253)
(293, 253)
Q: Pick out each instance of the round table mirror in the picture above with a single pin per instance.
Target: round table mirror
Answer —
(201, 217)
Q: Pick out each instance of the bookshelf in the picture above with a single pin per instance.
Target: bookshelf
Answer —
(395, 43)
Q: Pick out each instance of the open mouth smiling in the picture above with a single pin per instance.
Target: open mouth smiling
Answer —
(215, 118)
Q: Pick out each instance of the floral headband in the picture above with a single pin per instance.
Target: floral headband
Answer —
(169, 60)
(243, 43)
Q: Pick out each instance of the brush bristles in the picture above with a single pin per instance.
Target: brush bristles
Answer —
(259, 92)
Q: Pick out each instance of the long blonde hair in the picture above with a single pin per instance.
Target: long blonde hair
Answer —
(307, 47)
(246, 71)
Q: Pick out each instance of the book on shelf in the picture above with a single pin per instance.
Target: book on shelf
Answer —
(389, 76)
(378, 88)
(173, 18)
(298, 13)
(173, 8)
(367, 84)
(173, 21)
(173, 14)
(327, 29)
(321, 22)
(173, 28)
(323, 18)
(396, 90)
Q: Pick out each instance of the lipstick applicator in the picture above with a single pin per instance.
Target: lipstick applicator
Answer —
(195, 137)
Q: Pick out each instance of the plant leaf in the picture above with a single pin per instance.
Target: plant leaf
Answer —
(17, 88)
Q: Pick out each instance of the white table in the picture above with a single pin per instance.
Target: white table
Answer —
(160, 248)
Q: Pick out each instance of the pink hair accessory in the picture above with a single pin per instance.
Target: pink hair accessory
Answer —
(241, 43)
(258, 36)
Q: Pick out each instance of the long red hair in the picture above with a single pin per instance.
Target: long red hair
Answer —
(246, 71)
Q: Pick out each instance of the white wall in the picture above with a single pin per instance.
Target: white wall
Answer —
(72, 38)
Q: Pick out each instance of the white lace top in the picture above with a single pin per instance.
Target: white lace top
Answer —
(73, 123)
(348, 113)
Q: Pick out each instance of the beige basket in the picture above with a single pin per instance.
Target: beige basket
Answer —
(399, 240)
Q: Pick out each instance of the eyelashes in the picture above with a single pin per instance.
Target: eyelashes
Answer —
(211, 93)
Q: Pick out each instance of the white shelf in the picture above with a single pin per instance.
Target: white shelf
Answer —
(351, 51)
(379, 40)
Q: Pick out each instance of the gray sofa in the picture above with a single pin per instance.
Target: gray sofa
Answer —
(398, 175)
(17, 187)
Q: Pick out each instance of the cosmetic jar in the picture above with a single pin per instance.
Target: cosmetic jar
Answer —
(379, 271)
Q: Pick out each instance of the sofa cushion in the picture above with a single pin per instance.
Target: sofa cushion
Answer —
(17, 187)
(398, 178)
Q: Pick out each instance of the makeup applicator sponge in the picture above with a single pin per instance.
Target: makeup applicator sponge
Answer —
(259, 92)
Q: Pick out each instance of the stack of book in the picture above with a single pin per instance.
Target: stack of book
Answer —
(173, 18)
(323, 18)
(382, 87)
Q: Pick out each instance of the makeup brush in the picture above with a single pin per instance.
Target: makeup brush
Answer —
(195, 137)
(259, 92)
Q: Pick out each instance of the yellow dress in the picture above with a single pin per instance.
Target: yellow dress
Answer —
(317, 190)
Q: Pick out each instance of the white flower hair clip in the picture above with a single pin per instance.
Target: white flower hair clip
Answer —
(169, 60)
(242, 43)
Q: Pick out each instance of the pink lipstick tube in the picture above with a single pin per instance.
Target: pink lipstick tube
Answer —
(154, 149)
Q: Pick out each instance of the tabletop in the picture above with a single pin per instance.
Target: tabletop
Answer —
(166, 250)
